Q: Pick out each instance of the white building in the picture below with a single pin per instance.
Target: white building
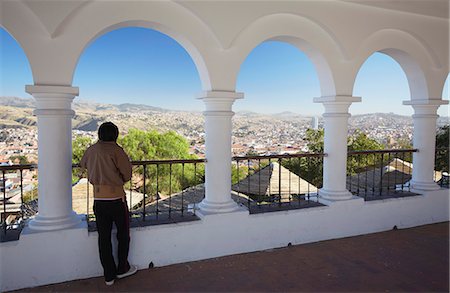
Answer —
(337, 35)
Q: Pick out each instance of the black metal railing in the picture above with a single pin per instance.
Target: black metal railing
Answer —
(441, 173)
(379, 173)
(166, 191)
(277, 182)
(19, 198)
(160, 191)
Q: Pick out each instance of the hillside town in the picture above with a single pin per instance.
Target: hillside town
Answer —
(252, 133)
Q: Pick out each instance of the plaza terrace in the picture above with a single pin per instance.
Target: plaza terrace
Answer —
(338, 36)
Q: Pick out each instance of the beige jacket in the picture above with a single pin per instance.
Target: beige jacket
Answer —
(108, 169)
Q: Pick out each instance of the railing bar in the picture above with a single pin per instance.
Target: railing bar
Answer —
(289, 198)
(170, 191)
(195, 186)
(348, 179)
(366, 174)
(131, 194)
(279, 181)
(87, 199)
(357, 170)
(238, 179)
(299, 182)
(309, 168)
(395, 172)
(259, 181)
(4, 203)
(248, 183)
(373, 174)
(403, 170)
(382, 151)
(157, 191)
(388, 173)
(182, 189)
(21, 194)
(160, 162)
(381, 172)
(270, 175)
(145, 192)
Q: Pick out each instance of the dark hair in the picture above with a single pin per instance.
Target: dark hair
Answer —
(108, 131)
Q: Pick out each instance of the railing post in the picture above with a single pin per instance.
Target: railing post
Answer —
(54, 114)
(218, 116)
(335, 146)
(424, 140)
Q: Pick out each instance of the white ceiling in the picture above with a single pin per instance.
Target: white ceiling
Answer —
(435, 8)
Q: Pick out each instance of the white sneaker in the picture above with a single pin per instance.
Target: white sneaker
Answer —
(131, 271)
(109, 283)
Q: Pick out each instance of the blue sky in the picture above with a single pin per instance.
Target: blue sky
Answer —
(136, 65)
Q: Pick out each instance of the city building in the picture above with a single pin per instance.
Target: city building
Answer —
(338, 36)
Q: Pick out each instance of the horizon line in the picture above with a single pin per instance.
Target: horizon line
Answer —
(90, 101)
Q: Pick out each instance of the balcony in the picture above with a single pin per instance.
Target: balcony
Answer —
(58, 244)
(168, 191)
(271, 198)
(379, 262)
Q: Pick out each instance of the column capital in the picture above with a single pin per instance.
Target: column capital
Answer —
(219, 101)
(429, 102)
(336, 104)
(52, 89)
(425, 108)
(53, 100)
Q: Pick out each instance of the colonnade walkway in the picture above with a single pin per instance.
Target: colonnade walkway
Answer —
(408, 260)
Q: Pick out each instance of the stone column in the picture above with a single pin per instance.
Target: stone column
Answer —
(218, 128)
(424, 140)
(54, 114)
(335, 146)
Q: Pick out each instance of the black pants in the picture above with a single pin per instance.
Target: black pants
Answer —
(108, 212)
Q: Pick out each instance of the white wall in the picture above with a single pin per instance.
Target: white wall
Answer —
(51, 257)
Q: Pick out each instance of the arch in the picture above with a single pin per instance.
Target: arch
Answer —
(140, 64)
(381, 81)
(191, 50)
(308, 36)
(276, 77)
(61, 49)
(415, 59)
(169, 18)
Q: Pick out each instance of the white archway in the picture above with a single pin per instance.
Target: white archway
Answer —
(380, 82)
(416, 60)
(306, 35)
(141, 64)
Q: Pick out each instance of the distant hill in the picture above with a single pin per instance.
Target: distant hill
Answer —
(18, 112)
(17, 102)
(82, 105)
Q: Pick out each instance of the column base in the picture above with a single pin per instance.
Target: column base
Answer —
(415, 185)
(333, 195)
(40, 223)
(215, 208)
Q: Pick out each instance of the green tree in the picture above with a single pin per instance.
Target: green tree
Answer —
(79, 146)
(359, 141)
(442, 150)
(23, 160)
(309, 168)
(162, 178)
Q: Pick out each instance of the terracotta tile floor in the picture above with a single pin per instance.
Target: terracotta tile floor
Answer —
(415, 259)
